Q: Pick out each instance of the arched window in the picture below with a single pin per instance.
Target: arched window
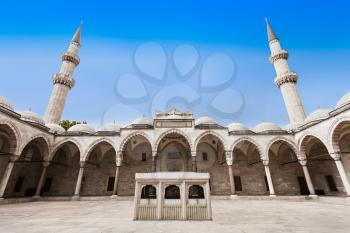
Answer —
(196, 192)
(172, 192)
(149, 192)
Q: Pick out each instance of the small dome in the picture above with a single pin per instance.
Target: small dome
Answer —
(266, 126)
(205, 121)
(344, 100)
(5, 103)
(84, 128)
(142, 121)
(319, 114)
(110, 127)
(237, 127)
(55, 128)
(30, 116)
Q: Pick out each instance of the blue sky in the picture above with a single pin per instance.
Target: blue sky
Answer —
(34, 34)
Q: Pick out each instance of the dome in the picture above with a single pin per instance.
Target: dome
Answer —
(142, 121)
(205, 121)
(84, 128)
(55, 128)
(237, 127)
(266, 126)
(344, 100)
(319, 114)
(5, 103)
(110, 127)
(30, 116)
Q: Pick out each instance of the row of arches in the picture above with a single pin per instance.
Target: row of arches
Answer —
(174, 153)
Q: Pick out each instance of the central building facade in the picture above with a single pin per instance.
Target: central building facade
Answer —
(38, 158)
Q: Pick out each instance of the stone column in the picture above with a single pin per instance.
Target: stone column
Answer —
(116, 178)
(232, 181)
(342, 173)
(159, 200)
(6, 176)
(194, 161)
(229, 161)
(184, 200)
(208, 199)
(136, 200)
(46, 164)
(269, 178)
(154, 161)
(80, 178)
(309, 183)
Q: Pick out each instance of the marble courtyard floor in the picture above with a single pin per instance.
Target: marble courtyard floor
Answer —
(229, 216)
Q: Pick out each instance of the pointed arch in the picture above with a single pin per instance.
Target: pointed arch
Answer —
(285, 140)
(92, 146)
(335, 131)
(173, 131)
(46, 152)
(303, 143)
(132, 135)
(62, 143)
(212, 133)
(13, 132)
(250, 140)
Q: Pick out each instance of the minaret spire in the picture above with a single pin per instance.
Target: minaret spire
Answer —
(285, 78)
(76, 37)
(63, 81)
(270, 33)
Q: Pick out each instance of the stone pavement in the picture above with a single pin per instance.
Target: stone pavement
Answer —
(229, 216)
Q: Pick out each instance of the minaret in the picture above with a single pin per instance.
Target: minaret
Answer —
(285, 79)
(63, 81)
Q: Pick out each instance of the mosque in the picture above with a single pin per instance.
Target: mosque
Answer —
(40, 159)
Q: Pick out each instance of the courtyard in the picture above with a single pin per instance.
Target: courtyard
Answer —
(241, 215)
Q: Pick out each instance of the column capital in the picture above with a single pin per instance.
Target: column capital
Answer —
(119, 161)
(336, 156)
(13, 158)
(265, 162)
(82, 164)
(154, 153)
(229, 161)
(303, 162)
(46, 163)
(193, 153)
(228, 154)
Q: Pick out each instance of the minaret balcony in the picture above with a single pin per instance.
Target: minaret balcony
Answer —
(282, 54)
(289, 77)
(71, 57)
(64, 80)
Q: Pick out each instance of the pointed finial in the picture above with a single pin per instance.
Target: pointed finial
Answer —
(76, 37)
(270, 34)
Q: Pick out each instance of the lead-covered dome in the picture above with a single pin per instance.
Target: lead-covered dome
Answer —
(142, 121)
(319, 114)
(5, 103)
(55, 128)
(84, 128)
(32, 117)
(266, 126)
(205, 121)
(237, 127)
(110, 127)
(344, 100)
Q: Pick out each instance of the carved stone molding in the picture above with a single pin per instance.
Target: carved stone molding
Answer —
(303, 162)
(265, 162)
(289, 77)
(67, 56)
(64, 80)
(280, 55)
